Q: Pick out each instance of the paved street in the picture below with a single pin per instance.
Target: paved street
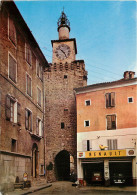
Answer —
(66, 188)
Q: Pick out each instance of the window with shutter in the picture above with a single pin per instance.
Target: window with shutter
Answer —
(7, 108)
(39, 96)
(28, 119)
(28, 54)
(28, 85)
(111, 122)
(18, 114)
(12, 68)
(112, 144)
(110, 100)
(12, 31)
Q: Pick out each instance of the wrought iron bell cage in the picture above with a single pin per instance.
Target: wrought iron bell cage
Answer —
(63, 21)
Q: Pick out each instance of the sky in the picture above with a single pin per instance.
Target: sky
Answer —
(105, 33)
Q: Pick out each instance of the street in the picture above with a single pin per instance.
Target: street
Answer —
(66, 188)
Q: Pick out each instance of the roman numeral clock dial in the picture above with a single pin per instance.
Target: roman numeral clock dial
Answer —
(62, 51)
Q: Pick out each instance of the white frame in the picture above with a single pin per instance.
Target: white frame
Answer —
(132, 100)
(40, 125)
(85, 123)
(86, 101)
(26, 85)
(8, 67)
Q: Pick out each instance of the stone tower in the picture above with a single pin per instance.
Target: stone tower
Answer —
(63, 75)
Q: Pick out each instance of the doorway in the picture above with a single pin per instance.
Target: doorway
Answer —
(34, 160)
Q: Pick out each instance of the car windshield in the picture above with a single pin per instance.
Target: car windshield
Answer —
(96, 174)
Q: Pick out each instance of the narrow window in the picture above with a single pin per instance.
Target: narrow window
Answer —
(12, 31)
(110, 100)
(39, 71)
(87, 145)
(111, 122)
(28, 85)
(86, 123)
(87, 102)
(12, 68)
(18, 114)
(28, 120)
(39, 127)
(65, 76)
(28, 54)
(62, 125)
(130, 99)
(39, 96)
(13, 145)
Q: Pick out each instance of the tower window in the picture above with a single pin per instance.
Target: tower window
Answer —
(86, 123)
(62, 125)
(65, 76)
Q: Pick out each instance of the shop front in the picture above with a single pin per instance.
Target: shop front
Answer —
(107, 167)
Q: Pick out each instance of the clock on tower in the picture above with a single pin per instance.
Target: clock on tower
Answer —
(64, 49)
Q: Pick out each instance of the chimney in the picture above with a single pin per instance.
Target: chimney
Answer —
(129, 75)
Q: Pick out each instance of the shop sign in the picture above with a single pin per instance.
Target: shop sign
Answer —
(105, 153)
(81, 154)
(25, 176)
(130, 152)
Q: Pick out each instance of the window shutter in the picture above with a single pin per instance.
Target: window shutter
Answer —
(37, 68)
(12, 68)
(12, 31)
(42, 129)
(26, 119)
(113, 118)
(109, 122)
(84, 145)
(41, 72)
(112, 99)
(18, 114)
(28, 85)
(31, 121)
(90, 144)
(7, 108)
(37, 126)
(107, 100)
(109, 143)
(115, 144)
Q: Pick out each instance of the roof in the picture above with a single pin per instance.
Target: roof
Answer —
(105, 84)
(66, 40)
(11, 6)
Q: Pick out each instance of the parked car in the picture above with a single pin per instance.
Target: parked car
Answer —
(97, 177)
(119, 178)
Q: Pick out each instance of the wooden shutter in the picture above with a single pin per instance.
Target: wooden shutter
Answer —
(12, 31)
(112, 99)
(26, 119)
(109, 122)
(115, 144)
(28, 85)
(12, 68)
(39, 96)
(30, 121)
(107, 100)
(18, 113)
(113, 119)
(38, 68)
(41, 72)
(7, 108)
(37, 126)
(42, 129)
(109, 143)
(84, 145)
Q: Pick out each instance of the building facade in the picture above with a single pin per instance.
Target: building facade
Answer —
(107, 130)
(21, 99)
(64, 74)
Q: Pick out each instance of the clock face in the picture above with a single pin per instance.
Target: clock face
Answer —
(62, 51)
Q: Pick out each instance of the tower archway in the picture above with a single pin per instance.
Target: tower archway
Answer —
(63, 165)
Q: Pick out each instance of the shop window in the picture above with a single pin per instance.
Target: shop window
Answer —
(87, 102)
(86, 123)
(28, 54)
(112, 144)
(110, 100)
(29, 85)
(130, 99)
(111, 122)
(12, 110)
(86, 145)
(28, 119)
(39, 70)
(62, 125)
(12, 31)
(38, 96)
(12, 68)
(13, 145)
(39, 127)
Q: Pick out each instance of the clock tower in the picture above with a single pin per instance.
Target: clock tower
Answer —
(61, 77)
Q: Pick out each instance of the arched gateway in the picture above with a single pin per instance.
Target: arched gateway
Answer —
(64, 165)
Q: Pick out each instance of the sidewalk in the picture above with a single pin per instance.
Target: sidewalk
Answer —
(26, 191)
(114, 188)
